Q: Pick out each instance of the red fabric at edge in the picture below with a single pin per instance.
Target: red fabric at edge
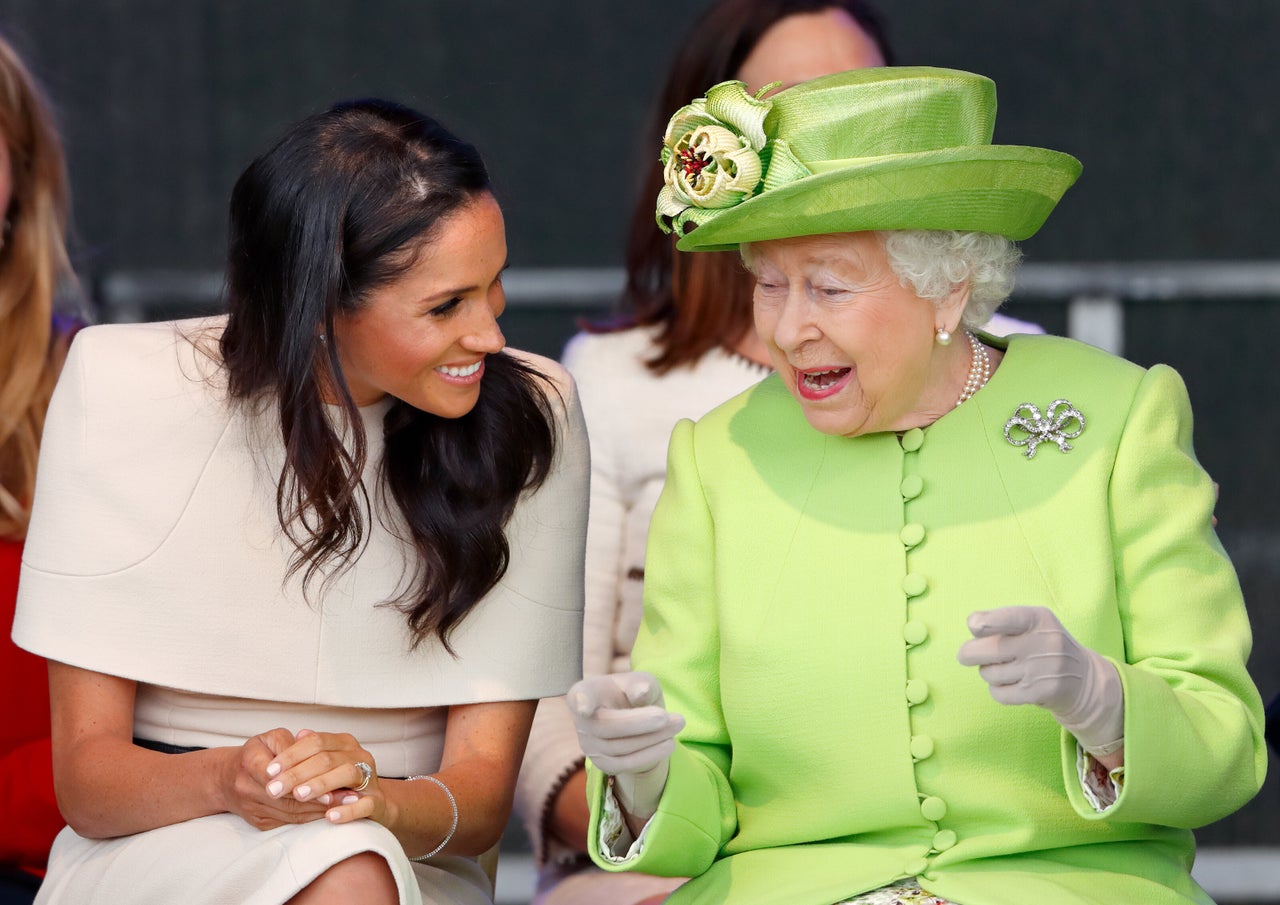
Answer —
(26, 766)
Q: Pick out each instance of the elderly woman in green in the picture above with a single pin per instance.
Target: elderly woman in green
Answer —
(851, 560)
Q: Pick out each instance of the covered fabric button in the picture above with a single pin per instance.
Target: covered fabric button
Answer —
(915, 632)
(917, 691)
(913, 439)
(943, 840)
(911, 486)
(933, 808)
(914, 584)
(921, 746)
(916, 868)
(911, 534)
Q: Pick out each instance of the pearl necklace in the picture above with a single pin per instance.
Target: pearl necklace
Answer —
(979, 368)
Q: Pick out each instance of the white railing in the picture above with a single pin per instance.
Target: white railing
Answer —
(1094, 293)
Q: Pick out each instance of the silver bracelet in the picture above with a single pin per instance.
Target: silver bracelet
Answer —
(453, 828)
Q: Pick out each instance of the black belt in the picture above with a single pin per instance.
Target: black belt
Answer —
(164, 748)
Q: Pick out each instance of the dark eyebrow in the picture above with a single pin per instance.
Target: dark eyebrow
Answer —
(462, 290)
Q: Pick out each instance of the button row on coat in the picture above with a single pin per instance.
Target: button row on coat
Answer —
(915, 632)
(913, 583)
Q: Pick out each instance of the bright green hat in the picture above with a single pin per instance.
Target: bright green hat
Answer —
(903, 147)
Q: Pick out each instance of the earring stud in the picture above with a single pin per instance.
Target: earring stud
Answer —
(942, 337)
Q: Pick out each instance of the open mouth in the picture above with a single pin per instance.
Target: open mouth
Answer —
(463, 374)
(818, 384)
(460, 372)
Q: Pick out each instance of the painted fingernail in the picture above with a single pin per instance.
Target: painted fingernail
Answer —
(350, 799)
(273, 769)
(275, 788)
(326, 798)
(302, 791)
(333, 816)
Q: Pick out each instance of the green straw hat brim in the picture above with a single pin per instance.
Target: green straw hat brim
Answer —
(1008, 190)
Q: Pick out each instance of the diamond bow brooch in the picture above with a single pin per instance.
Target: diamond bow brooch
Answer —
(1060, 422)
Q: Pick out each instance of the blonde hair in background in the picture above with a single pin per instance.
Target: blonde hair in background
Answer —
(33, 260)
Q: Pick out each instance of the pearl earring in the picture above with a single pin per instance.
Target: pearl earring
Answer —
(942, 337)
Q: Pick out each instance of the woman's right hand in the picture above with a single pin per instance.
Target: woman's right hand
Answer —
(626, 731)
(245, 785)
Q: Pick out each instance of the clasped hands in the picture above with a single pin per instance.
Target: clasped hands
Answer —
(1023, 653)
(279, 778)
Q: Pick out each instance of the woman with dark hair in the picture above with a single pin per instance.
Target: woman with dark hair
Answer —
(278, 558)
(33, 343)
(685, 345)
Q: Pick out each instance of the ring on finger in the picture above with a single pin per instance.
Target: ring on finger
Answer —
(366, 774)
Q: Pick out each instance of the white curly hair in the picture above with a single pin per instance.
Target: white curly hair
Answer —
(931, 262)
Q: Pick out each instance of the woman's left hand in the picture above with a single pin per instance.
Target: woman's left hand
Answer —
(326, 767)
(1027, 657)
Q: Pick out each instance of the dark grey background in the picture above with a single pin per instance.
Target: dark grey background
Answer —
(1170, 104)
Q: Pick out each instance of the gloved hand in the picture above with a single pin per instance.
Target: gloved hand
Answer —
(628, 733)
(1027, 657)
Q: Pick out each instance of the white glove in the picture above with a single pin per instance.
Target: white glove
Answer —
(627, 732)
(1027, 657)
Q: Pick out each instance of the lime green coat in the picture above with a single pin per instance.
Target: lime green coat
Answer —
(805, 597)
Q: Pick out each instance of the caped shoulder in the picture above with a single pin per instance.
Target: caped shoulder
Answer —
(151, 361)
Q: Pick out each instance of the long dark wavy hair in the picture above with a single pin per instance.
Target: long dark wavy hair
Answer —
(340, 206)
(701, 301)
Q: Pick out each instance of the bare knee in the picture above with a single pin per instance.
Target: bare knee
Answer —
(364, 878)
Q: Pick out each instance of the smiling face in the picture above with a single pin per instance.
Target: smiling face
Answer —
(423, 337)
(853, 345)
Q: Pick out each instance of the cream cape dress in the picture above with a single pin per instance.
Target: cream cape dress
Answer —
(155, 554)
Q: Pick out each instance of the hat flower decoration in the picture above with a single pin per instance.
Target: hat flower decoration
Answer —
(711, 154)
(899, 147)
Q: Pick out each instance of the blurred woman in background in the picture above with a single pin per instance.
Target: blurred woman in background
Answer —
(686, 343)
(33, 343)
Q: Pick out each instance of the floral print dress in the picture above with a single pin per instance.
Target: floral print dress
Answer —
(907, 892)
